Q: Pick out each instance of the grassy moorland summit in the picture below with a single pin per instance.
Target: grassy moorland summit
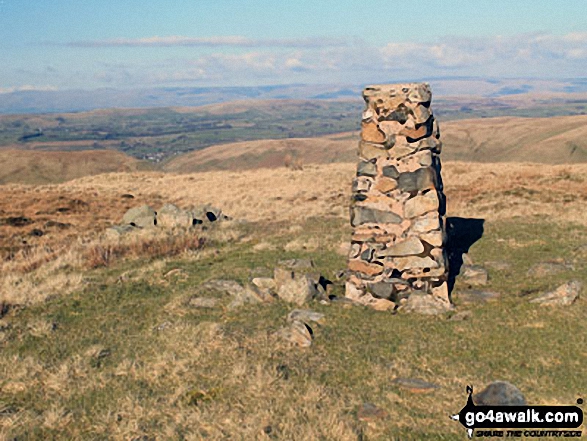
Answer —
(110, 338)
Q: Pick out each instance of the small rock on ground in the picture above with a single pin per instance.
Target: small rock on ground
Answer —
(424, 303)
(474, 275)
(562, 296)
(305, 315)
(296, 264)
(297, 333)
(415, 385)
(500, 393)
(371, 412)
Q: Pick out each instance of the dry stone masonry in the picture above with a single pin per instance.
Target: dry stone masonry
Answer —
(398, 206)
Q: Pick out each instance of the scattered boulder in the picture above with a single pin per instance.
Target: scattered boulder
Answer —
(206, 213)
(296, 264)
(415, 385)
(370, 412)
(265, 285)
(475, 296)
(562, 296)
(297, 333)
(293, 287)
(474, 275)
(117, 231)
(172, 216)
(424, 303)
(143, 217)
(500, 393)
(240, 295)
(543, 269)
(305, 316)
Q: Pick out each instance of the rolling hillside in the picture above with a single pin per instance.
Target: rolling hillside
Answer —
(556, 140)
(42, 167)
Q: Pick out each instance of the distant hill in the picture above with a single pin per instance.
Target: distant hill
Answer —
(42, 101)
(266, 153)
(556, 140)
(42, 167)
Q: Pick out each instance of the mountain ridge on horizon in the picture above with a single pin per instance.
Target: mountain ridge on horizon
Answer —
(78, 100)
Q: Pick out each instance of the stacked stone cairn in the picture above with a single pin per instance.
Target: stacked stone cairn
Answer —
(398, 206)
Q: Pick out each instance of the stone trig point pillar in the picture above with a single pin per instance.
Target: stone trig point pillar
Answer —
(398, 207)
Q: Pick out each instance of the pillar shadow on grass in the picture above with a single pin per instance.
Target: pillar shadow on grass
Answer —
(461, 234)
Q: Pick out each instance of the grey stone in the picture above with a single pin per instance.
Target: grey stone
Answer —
(382, 290)
(294, 288)
(227, 287)
(500, 393)
(371, 412)
(248, 295)
(564, 295)
(389, 171)
(142, 216)
(171, 216)
(306, 316)
(421, 179)
(430, 222)
(360, 215)
(474, 275)
(366, 168)
(264, 283)
(297, 333)
(409, 247)
(421, 204)
(205, 213)
(424, 303)
(414, 262)
(369, 150)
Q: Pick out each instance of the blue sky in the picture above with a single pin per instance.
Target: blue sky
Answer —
(86, 44)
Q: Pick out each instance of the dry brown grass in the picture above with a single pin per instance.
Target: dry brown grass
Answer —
(53, 263)
(44, 167)
(557, 140)
(105, 254)
(129, 359)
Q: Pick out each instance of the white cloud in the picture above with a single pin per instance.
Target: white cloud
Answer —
(27, 87)
(218, 41)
